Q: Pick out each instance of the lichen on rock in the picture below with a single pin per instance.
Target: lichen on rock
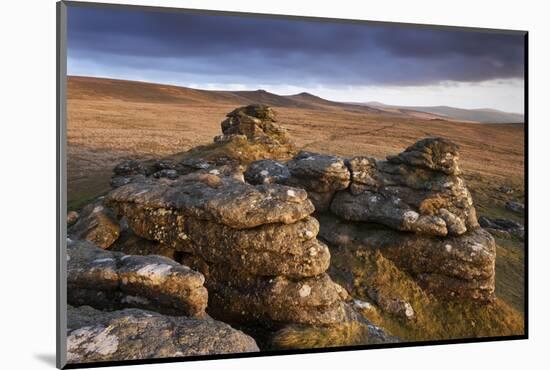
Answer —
(112, 280)
(134, 334)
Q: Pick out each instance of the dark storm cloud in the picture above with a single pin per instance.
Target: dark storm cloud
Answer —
(236, 49)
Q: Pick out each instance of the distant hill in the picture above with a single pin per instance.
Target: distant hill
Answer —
(82, 87)
(136, 91)
(484, 115)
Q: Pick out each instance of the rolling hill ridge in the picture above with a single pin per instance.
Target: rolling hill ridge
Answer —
(483, 115)
(135, 91)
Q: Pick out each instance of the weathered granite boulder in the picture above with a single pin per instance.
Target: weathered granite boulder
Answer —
(456, 266)
(272, 301)
(112, 280)
(167, 173)
(217, 198)
(320, 175)
(392, 212)
(393, 305)
(435, 154)
(97, 224)
(131, 167)
(255, 245)
(418, 190)
(266, 171)
(133, 334)
(254, 121)
(318, 172)
(266, 250)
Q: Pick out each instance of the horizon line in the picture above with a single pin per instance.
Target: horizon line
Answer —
(364, 103)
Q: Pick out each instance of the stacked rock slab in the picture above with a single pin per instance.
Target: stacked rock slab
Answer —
(136, 334)
(124, 307)
(249, 133)
(453, 267)
(255, 122)
(430, 224)
(113, 280)
(256, 245)
(96, 224)
(419, 190)
(320, 175)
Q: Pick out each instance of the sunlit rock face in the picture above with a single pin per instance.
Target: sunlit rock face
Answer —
(418, 195)
(97, 224)
(251, 220)
(255, 243)
(258, 242)
(454, 267)
(113, 280)
(131, 334)
(418, 190)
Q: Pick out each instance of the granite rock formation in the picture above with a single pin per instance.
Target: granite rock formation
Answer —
(95, 223)
(113, 280)
(417, 197)
(255, 221)
(135, 334)
(454, 267)
(257, 242)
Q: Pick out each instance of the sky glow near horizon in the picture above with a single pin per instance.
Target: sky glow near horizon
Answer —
(348, 62)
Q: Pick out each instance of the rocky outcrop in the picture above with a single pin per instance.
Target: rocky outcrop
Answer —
(418, 195)
(453, 267)
(215, 198)
(248, 134)
(435, 154)
(96, 224)
(255, 122)
(266, 171)
(320, 175)
(318, 172)
(112, 280)
(133, 334)
(257, 244)
(246, 212)
(418, 190)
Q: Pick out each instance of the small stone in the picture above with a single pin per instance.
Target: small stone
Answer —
(515, 207)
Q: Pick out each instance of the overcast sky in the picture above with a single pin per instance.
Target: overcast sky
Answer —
(338, 61)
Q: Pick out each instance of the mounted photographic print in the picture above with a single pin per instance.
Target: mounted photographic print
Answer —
(235, 184)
